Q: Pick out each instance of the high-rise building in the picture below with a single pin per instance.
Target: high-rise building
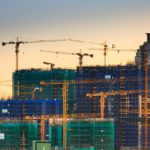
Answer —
(121, 108)
(145, 47)
(26, 85)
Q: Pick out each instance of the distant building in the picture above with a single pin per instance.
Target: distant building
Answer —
(139, 58)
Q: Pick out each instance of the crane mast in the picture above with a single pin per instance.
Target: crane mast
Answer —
(17, 44)
(145, 98)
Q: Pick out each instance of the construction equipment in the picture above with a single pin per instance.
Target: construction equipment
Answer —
(105, 49)
(145, 98)
(104, 94)
(64, 93)
(42, 120)
(105, 46)
(78, 54)
(51, 65)
(145, 111)
(65, 85)
(81, 41)
(17, 44)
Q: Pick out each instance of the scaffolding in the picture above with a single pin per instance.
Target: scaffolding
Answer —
(123, 108)
(91, 133)
(15, 138)
(19, 108)
(28, 81)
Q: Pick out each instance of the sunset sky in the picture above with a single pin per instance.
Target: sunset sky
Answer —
(123, 23)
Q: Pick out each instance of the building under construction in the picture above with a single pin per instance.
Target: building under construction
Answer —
(90, 108)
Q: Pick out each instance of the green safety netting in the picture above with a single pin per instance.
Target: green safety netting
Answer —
(84, 135)
(18, 135)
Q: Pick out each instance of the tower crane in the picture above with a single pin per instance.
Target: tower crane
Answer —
(105, 49)
(145, 97)
(65, 85)
(48, 63)
(105, 46)
(17, 44)
(67, 53)
(112, 93)
(145, 112)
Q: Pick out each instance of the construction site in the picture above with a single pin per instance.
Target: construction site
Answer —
(88, 108)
